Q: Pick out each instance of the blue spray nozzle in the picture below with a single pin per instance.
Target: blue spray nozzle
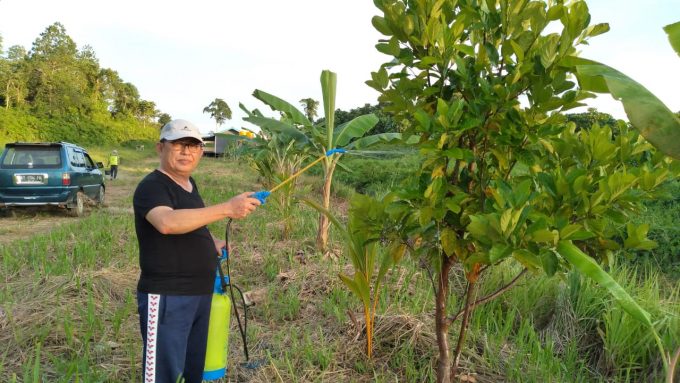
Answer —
(225, 254)
(261, 196)
(336, 150)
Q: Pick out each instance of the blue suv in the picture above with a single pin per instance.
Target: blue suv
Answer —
(54, 173)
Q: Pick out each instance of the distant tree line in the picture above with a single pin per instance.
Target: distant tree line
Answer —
(386, 123)
(55, 78)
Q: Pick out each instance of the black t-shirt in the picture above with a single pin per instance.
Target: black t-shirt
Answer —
(172, 264)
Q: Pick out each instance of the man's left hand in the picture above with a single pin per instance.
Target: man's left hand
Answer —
(219, 244)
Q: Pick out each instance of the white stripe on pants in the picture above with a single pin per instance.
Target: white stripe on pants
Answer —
(151, 334)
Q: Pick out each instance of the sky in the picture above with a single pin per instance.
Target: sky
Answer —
(184, 54)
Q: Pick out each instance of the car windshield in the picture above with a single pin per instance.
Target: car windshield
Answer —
(29, 157)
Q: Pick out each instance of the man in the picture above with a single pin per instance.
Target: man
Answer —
(177, 257)
(113, 164)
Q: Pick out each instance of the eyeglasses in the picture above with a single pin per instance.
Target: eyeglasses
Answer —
(191, 146)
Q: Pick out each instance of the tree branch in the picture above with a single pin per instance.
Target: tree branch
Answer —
(489, 297)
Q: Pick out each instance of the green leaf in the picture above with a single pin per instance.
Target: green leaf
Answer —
(425, 215)
(478, 227)
(280, 105)
(519, 52)
(271, 124)
(527, 258)
(498, 252)
(358, 286)
(587, 266)
(391, 48)
(673, 31)
(329, 82)
(381, 25)
(449, 241)
(637, 238)
(549, 262)
(390, 138)
(597, 29)
(555, 12)
(543, 235)
(357, 127)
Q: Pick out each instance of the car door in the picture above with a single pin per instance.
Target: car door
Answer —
(77, 169)
(94, 176)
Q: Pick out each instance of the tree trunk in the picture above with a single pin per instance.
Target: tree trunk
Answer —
(324, 222)
(441, 321)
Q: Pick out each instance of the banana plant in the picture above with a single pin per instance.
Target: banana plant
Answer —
(321, 137)
(362, 236)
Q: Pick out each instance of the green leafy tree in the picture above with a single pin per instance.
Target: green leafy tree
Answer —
(126, 100)
(146, 110)
(385, 124)
(13, 77)
(107, 83)
(590, 118)
(310, 107)
(54, 85)
(502, 183)
(163, 119)
(219, 111)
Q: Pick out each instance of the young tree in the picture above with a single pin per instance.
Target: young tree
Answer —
(219, 111)
(504, 179)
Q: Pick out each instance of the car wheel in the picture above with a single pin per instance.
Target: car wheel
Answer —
(79, 208)
(101, 196)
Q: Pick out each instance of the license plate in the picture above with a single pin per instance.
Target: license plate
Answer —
(30, 179)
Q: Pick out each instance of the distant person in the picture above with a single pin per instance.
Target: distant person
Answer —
(113, 164)
(177, 257)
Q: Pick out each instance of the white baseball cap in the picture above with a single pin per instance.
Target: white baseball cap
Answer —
(176, 129)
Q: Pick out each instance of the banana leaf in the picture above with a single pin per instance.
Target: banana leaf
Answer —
(368, 141)
(646, 112)
(586, 265)
(357, 127)
(280, 105)
(329, 81)
(270, 124)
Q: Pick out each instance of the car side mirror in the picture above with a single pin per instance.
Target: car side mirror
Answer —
(100, 165)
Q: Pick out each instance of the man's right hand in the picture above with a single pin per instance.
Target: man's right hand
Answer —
(242, 205)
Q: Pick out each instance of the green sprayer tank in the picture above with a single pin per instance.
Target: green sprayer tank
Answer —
(218, 333)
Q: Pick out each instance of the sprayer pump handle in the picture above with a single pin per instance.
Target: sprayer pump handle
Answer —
(261, 196)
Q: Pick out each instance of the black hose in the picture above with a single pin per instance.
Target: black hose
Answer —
(242, 328)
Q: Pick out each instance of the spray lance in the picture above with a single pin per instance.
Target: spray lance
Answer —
(218, 328)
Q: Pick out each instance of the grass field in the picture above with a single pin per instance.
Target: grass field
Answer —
(68, 312)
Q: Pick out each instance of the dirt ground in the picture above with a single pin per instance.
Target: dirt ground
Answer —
(22, 223)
